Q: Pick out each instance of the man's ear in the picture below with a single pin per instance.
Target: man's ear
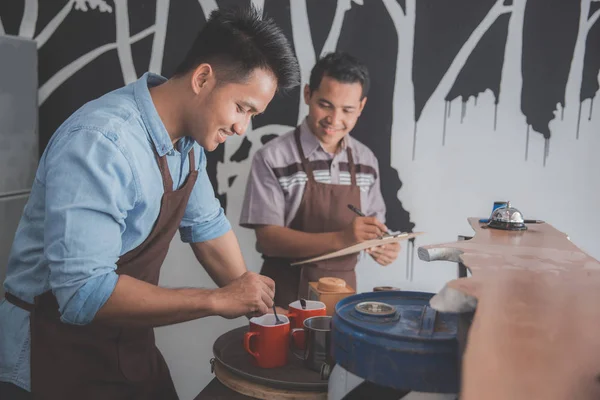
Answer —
(362, 105)
(307, 94)
(201, 74)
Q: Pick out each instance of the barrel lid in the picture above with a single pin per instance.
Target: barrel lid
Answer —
(396, 314)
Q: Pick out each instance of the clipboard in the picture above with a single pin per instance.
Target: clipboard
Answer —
(358, 247)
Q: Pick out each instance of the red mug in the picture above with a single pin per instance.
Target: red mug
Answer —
(268, 343)
(297, 315)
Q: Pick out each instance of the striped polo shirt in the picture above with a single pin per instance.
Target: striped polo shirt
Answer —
(277, 180)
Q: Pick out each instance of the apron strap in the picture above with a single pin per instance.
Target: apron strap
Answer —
(351, 166)
(305, 163)
(14, 300)
(163, 165)
(192, 159)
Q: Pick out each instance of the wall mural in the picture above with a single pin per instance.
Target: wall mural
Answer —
(528, 68)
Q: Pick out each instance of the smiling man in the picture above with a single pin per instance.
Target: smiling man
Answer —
(301, 183)
(116, 182)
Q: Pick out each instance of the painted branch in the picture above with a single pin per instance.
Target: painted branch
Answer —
(30, 16)
(259, 5)
(305, 49)
(69, 70)
(235, 168)
(49, 29)
(593, 19)
(158, 44)
(403, 98)
(573, 89)
(459, 61)
(511, 80)
(336, 27)
(123, 45)
(2, 32)
(208, 6)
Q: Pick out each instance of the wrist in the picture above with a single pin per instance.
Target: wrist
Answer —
(212, 301)
(339, 240)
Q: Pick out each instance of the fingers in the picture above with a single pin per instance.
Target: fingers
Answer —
(369, 232)
(268, 281)
(376, 251)
(385, 250)
(270, 291)
(383, 260)
(266, 304)
(374, 221)
(384, 254)
(393, 246)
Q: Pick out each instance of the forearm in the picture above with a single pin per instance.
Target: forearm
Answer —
(279, 241)
(135, 303)
(221, 258)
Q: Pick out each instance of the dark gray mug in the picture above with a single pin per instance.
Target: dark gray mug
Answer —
(317, 342)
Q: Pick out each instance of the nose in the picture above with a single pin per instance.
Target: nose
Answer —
(239, 128)
(335, 118)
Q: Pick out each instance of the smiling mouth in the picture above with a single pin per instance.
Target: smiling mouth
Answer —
(330, 129)
(222, 135)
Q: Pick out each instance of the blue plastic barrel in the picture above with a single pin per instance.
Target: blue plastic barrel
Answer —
(394, 339)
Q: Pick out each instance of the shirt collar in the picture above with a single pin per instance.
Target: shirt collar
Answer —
(154, 125)
(310, 143)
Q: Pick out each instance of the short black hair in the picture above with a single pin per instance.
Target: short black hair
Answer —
(236, 41)
(342, 67)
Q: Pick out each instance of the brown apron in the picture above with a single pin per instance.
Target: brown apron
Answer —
(97, 361)
(323, 209)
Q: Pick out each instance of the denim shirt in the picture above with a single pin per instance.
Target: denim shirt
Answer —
(96, 195)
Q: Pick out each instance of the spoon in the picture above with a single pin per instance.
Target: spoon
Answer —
(303, 304)
(277, 320)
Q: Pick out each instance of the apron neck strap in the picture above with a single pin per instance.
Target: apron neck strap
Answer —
(351, 166)
(192, 160)
(163, 165)
(305, 163)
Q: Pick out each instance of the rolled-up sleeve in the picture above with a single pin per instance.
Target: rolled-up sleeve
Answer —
(375, 204)
(90, 187)
(204, 218)
(264, 200)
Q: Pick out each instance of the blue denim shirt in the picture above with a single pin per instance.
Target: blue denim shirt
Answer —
(96, 196)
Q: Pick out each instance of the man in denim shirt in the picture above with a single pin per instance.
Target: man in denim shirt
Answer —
(115, 183)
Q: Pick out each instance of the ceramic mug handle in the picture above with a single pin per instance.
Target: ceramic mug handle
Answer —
(292, 317)
(295, 332)
(247, 345)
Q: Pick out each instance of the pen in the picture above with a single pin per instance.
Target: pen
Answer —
(526, 221)
(356, 210)
(361, 214)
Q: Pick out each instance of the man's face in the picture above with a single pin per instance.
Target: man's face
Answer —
(333, 110)
(221, 110)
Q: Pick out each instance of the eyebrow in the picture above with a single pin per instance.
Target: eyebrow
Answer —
(250, 106)
(321, 100)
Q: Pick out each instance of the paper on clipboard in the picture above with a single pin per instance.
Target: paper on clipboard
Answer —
(395, 238)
